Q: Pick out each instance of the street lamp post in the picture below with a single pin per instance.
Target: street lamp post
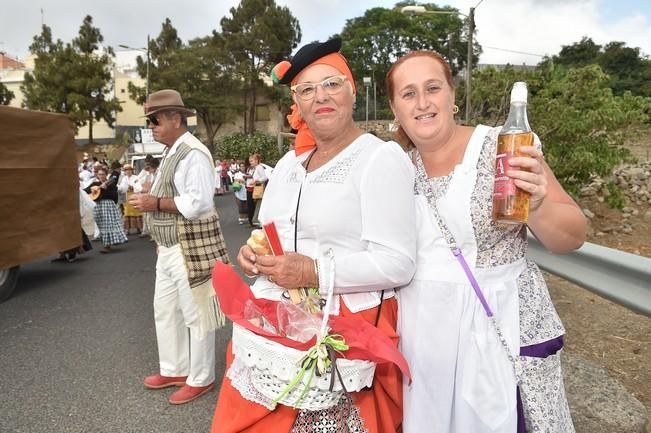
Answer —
(420, 10)
(147, 79)
(367, 84)
(374, 95)
(144, 50)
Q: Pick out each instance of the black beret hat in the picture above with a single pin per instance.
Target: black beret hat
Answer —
(303, 58)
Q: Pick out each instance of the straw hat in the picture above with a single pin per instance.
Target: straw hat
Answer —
(167, 99)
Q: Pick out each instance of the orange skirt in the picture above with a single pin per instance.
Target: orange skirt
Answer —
(380, 407)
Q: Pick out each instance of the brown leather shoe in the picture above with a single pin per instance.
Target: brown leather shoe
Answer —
(158, 381)
(189, 393)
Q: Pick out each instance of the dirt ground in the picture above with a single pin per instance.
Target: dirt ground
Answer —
(608, 221)
(606, 334)
(599, 330)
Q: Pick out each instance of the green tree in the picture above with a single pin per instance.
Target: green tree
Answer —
(627, 67)
(199, 70)
(258, 34)
(579, 120)
(164, 66)
(47, 88)
(6, 95)
(72, 78)
(210, 86)
(491, 94)
(372, 42)
(582, 53)
(583, 125)
(92, 81)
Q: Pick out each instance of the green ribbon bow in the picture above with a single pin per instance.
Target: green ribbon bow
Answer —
(318, 359)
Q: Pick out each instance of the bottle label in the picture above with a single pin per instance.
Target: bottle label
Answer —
(504, 185)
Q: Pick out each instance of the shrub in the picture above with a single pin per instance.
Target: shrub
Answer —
(241, 146)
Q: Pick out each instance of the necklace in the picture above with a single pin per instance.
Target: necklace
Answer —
(329, 151)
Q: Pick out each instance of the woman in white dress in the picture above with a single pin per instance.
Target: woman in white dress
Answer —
(332, 204)
(219, 188)
(128, 184)
(258, 178)
(463, 377)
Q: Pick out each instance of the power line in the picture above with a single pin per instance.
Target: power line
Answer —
(513, 51)
(478, 3)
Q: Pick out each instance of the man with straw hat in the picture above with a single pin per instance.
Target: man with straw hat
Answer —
(185, 225)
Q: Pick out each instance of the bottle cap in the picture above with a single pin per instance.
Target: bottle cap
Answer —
(519, 92)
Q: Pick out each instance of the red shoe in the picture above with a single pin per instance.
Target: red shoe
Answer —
(158, 381)
(189, 393)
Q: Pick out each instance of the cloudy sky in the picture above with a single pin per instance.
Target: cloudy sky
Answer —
(506, 29)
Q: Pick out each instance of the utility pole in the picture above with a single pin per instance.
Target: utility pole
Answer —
(419, 10)
(471, 30)
(147, 52)
(147, 79)
(374, 96)
(367, 85)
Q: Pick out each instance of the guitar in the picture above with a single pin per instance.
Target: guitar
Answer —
(96, 190)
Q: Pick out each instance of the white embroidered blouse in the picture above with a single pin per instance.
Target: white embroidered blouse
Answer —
(360, 205)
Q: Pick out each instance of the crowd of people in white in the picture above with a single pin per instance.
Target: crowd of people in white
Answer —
(104, 189)
(242, 177)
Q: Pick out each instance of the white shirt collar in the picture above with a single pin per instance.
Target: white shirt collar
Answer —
(176, 144)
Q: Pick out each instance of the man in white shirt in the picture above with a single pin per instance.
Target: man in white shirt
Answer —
(184, 223)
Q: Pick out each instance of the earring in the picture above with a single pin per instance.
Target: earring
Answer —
(396, 122)
(455, 109)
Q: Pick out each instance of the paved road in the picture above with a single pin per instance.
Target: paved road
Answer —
(76, 340)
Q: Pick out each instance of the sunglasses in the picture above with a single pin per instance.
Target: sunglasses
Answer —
(153, 119)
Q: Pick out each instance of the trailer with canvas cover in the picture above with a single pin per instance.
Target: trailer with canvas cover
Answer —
(39, 190)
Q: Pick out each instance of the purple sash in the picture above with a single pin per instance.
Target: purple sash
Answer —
(540, 350)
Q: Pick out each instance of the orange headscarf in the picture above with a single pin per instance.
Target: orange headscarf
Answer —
(304, 139)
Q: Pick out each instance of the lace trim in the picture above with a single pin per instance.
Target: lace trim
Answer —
(440, 185)
(240, 377)
(344, 417)
(272, 366)
(339, 172)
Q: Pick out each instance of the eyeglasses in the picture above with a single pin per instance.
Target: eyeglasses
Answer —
(153, 119)
(332, 86)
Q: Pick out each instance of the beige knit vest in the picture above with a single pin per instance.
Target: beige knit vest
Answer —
(163, 226)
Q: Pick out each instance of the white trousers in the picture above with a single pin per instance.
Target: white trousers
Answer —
(181, 352)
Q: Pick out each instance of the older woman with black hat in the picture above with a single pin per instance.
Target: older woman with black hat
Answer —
(336, 208)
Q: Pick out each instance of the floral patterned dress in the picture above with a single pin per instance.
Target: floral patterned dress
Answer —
(462, 378)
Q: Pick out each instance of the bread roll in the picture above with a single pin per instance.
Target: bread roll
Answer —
(259, 244)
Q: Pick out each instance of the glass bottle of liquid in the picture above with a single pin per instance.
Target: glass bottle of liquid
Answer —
(510, 203)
